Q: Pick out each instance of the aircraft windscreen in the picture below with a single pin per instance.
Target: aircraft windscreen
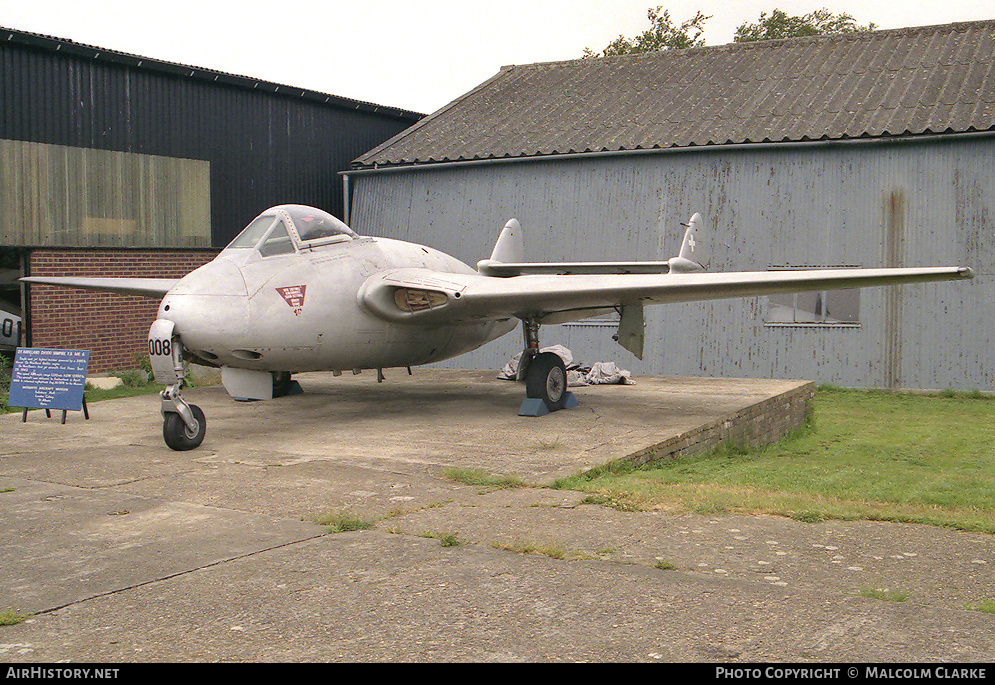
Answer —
(277, 241)
(251, 234)
(313, 224)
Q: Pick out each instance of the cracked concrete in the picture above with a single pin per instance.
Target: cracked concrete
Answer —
(128, 552)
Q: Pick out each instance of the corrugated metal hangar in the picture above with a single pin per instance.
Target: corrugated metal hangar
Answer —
(115, 164)
(870, 149)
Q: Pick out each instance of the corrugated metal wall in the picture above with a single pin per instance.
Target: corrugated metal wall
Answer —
(799, 205)
(54, 195)
(266, 145)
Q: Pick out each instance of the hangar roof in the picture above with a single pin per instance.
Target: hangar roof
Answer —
(66, 46)
(900, 82)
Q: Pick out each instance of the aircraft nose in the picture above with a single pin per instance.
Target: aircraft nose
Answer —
(219, 277)
(209, 307)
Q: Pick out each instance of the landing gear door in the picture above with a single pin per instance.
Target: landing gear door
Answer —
(631, 329)
(164, 353)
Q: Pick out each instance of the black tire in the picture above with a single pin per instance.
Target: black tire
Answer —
(281, 383)
(546, 379)
(178, 436)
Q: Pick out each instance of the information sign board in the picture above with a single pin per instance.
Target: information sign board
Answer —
(48, 379)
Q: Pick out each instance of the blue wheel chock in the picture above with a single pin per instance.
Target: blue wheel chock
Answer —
(533, 406)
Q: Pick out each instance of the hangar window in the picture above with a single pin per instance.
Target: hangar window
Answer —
(834, 308)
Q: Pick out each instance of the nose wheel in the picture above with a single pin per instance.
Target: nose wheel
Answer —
(183, 424)
(178, 435)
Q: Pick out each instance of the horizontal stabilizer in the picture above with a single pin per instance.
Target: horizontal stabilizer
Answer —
(143, 287)
(507, 259)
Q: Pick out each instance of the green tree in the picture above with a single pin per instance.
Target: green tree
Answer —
(780, 25)
(662, 35)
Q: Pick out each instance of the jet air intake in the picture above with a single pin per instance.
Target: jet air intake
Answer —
(410, 300)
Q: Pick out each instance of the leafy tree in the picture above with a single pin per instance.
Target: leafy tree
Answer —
(662, 35)
(780, 25)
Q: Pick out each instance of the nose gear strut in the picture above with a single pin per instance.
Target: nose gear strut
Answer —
(183, 424)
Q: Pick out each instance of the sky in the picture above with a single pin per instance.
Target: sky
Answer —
(410, 54)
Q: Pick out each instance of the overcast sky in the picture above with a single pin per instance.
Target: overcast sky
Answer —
(405, 53)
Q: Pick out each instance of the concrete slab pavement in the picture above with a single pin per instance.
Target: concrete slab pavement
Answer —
(127, 551)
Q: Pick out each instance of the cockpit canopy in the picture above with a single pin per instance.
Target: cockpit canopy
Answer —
(288, 228)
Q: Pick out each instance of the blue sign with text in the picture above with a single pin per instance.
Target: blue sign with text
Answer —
(48, 379)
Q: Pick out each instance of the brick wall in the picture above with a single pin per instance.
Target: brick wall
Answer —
(114, 328)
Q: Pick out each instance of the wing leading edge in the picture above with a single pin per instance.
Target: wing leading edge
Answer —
(143, 287)
(423, 296)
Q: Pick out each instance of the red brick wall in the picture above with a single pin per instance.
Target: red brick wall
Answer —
(114, 328)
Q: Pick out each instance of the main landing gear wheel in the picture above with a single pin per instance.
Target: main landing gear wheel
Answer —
(178, 435)
(546, 379)
(282, 381)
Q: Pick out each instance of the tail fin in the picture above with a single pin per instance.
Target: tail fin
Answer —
(691, 257)
(509, 249)
(509, 246)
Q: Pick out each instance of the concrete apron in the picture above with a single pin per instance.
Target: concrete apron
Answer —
(121, 543)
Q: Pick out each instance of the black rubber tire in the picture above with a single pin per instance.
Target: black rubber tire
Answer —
(176, 434)
(281, 383)
(546, 379)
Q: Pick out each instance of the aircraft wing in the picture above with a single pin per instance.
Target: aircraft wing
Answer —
(144, 287)
(424, 296)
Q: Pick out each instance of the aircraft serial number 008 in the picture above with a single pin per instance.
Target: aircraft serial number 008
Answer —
(160, 348)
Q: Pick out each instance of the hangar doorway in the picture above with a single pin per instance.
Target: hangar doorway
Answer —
(12, 267)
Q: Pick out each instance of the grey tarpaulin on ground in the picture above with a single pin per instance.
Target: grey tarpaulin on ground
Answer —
(598, 373)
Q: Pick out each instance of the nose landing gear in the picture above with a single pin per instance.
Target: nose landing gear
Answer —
(183, 424)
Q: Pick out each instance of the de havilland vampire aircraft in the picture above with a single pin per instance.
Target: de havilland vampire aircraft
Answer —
(297, 290)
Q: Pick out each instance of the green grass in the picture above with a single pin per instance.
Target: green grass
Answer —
(868, 455)
(526, 547)
(886, 595)
(11, 617)
(343, 522)
(445, 539)
(986, 606)
(480, 477)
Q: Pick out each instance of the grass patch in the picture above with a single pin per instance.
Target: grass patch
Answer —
(11, 617)
(482, 478)
(986, 607)
(342, 522)
(522, 547)
(886, 595)
(445, 539)
(6, 361)
(873, 455)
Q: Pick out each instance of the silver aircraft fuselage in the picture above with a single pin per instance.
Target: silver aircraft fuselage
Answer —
(301, 311)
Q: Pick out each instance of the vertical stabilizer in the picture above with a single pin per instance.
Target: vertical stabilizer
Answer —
(510, 246)
(691, 257)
